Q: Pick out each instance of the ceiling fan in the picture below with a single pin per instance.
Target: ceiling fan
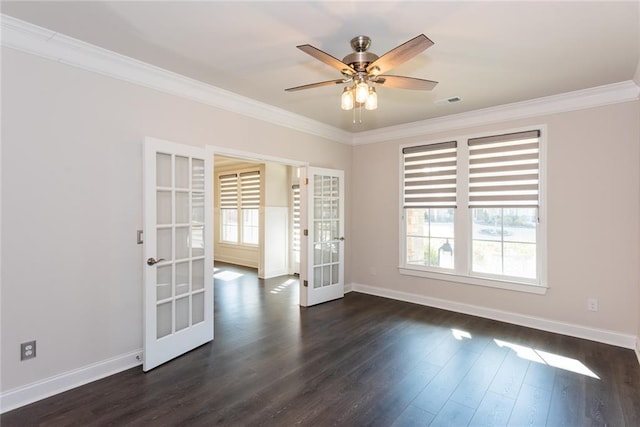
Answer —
(362, 69)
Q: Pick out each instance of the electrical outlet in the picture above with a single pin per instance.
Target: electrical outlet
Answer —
(592, 304)
(28, 350)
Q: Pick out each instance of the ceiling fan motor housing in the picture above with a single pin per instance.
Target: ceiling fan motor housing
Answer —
(360, 58)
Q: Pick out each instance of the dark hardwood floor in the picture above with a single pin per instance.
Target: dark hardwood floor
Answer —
(361, 360)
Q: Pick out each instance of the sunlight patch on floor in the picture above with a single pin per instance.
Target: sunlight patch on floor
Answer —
(554, 360)
(282, 286)
(459, 335)
(227, 275)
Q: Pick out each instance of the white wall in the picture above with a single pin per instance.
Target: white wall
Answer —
(593, 209)
(275, 230)
(72, 202)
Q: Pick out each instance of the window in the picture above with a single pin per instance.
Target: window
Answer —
(471, 208)
(429, 204)
(239, 201)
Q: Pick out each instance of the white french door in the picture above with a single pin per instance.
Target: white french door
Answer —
(323, 221)
(178, 250)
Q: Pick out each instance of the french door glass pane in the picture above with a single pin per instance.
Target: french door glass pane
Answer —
(197, 208)
(197, 308)
(163, 207)
(197, 174)
(182, 277)
(163, 319)
(182, 242)
(163, 282)
(182, 313)
(335, 252)
(163, 170)
(326, 253)
(164, 243)
(197, 274)
(197, 240)
(182, 172)
(317, 254)
(317, 277)
(182, 207)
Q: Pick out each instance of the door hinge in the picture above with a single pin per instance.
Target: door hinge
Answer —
(305, 232)
(305, 283)
(306, 181)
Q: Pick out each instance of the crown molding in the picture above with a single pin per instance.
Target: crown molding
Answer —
(561, 103)
(26, 37)
(29, 38)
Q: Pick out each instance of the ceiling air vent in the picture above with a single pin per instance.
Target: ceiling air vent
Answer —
(451, 100)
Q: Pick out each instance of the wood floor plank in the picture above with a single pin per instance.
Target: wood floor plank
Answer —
(453, 414)
(438, 391)
(360, 360)
(568, 401)
(510, 376)
(494, 410)
(413, 416)
(531, 407)
(471, 390)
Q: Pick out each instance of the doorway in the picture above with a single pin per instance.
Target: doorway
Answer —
(257, 214)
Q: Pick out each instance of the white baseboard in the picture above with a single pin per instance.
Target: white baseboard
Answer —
(275, 273)
(348, 287)
(243, 262)
(599, 335)
(638, 349)
(38, 390)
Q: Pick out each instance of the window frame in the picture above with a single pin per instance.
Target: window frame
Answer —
(462, 273)
(239, 208)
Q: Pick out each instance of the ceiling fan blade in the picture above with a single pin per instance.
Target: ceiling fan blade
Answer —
(327, 59)
(319, 84)
(400, 54)
(400, 82)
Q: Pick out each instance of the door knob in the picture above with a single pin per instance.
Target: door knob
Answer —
(152, 261)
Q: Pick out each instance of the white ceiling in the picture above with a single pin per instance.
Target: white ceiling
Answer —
(487, 53)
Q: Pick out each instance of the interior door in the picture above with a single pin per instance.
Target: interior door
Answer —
(178, 250)
(324, 214)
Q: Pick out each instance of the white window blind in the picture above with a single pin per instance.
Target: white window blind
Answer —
(229, 191)
(504, 170)
(430, 175)
(250, 190)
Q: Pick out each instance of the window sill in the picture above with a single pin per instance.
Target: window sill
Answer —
(477, 281)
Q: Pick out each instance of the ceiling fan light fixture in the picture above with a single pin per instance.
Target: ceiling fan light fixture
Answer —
(362, 91)
(346, 100)
(372, 100)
